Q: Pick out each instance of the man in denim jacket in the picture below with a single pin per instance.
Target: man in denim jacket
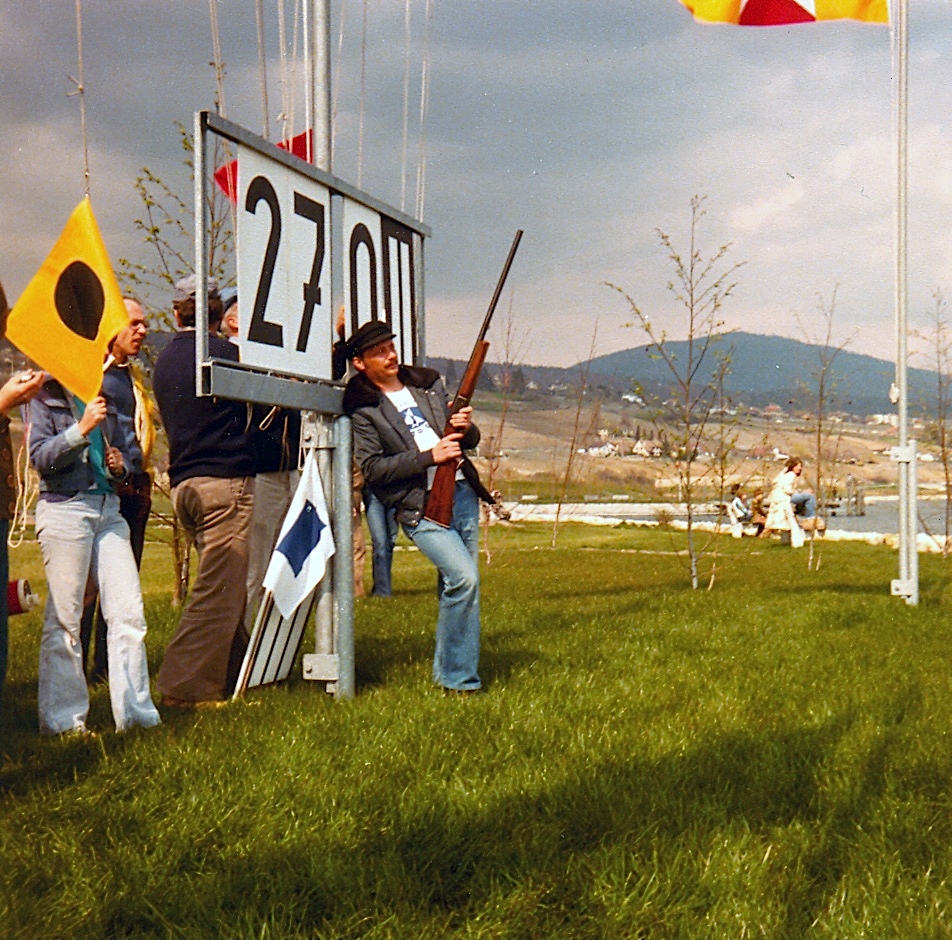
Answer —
(399, 414)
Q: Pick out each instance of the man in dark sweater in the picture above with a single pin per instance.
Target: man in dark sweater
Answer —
(211, 470)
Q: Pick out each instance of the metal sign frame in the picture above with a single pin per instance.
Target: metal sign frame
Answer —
(244, 382)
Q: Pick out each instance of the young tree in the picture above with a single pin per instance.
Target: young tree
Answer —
(938, 338)
(576, 432)
(700, 286)
(724, 437)
(825, 443)
(513, 349)
(168, 229)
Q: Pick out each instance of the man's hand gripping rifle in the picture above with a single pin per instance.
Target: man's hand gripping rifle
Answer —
(439, 503)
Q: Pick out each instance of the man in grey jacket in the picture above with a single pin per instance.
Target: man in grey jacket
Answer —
(399, 414)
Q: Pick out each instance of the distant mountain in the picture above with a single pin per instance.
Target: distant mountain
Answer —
(763, 370)
(774, 369)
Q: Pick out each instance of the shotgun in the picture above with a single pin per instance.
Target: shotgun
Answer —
(439, 503)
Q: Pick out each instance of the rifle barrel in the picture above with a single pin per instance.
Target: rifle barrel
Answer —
(499, 287)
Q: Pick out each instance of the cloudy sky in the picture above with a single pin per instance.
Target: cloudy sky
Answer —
(588, 124)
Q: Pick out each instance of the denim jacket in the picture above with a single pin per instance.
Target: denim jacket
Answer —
(384, 449)
(58, 450)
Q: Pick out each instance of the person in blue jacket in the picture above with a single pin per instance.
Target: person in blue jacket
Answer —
(82, 535)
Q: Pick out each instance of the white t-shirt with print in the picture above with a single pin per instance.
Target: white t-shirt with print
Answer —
(424, 436)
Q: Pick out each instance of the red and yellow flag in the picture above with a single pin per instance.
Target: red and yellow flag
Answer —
(784, 12)
(72, 308)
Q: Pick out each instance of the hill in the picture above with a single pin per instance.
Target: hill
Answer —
(763, 370)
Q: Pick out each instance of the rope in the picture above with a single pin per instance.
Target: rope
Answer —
(284, 116)
(295, 34)
(424, 108)
(337, 72)
(363, 95)
(406, 103)
(28, 490)
(81, 91)
(216, 52)
(308, 94)
(288, 71)
(263, 66)
(219, 66)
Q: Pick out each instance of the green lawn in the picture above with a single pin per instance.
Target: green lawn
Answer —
(772, 758)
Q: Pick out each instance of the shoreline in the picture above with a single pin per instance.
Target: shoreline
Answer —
(872, 527)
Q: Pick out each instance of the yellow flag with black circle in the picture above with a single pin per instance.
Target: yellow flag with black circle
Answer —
(71, 310)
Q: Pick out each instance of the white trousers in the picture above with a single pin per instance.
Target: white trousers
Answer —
(86, 534)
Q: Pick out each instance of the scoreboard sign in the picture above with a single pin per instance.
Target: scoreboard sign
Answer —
(310, 250)
(284, 269)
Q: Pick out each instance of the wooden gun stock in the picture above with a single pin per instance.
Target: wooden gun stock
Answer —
(439, 503)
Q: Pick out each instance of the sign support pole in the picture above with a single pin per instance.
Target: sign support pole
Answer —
(907, 584)
(334, 618)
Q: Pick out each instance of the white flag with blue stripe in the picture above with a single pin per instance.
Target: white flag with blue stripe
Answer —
(304, 545)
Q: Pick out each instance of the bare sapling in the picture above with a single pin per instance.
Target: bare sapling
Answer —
(513, 349)
(167, 228)
(826, 443)
(938, 340)
(584, 370)
(700, 286)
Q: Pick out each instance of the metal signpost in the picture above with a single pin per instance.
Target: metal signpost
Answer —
(907, 584)
(309, 245)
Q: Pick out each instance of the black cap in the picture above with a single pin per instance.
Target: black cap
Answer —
(370, 334)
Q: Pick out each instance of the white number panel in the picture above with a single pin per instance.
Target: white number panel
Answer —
(284, 281)
(378, 275)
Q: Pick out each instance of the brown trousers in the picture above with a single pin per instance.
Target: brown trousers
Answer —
(204, 656)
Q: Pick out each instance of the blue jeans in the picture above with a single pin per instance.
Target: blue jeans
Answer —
(804, 504)
(81, 537)
(455, 552)
(382, 523)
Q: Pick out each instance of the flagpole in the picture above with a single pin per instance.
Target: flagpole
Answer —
(334, 619)
(907, 584)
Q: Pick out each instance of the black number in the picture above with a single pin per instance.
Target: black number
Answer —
(314, 211)
(260, 329)
(362, 240)
(398, 286)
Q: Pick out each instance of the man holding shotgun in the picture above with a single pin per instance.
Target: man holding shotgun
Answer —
(404, 431)
(420, 471)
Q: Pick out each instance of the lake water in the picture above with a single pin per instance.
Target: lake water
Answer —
(882, 514)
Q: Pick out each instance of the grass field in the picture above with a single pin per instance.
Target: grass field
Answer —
(772, 758)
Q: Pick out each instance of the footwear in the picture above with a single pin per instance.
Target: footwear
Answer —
(169, 701)
(814, 523)
(461, 693)
(80, 732)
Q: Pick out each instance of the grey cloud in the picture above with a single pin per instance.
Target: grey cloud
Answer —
(588, 124)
